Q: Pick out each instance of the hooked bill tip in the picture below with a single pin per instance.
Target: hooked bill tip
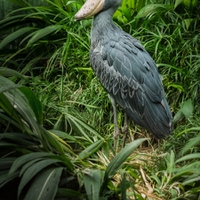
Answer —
(89, 9)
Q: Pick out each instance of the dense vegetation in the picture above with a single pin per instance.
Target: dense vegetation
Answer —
(56, 120)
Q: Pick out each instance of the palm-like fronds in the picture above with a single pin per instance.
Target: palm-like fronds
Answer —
(48, 145)
(40, 159)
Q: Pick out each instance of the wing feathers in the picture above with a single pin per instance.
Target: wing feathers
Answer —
(130, 76)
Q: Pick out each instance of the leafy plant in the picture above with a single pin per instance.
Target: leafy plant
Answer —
(173, 43)
(56, 119)
(42, 161)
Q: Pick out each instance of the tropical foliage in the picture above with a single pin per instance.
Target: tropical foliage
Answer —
(56, 120)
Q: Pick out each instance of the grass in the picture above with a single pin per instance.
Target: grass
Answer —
(56, 118)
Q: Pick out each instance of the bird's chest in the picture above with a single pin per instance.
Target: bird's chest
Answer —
(96, 60)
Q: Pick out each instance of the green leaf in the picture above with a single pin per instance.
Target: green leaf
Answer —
(177, 2)
(156, 178)
(91, 149)
(39, 34)
(179, 87)
(28, 164)
(6, 163)
(5, 177)
(190, 3)
(10, 121)
(81, 124)
(33, 170)
(62, 146)
(187, 108)
(92, 181)
(186, 170)
(189, 157)
(20, 139)
(8, 108)
(10, 20)
(4, 71)
(54, 142)
(192, 143)
(63, 135)
(45, 185)
(188, 130)
(119, 159)
(26, 158)
(192, 180)
(123, 186)
(19, 3)
(188, 22)
(14, 36)
(21, 106)
(8, 144)
(152, 9)
(178, 116)
(65, 192)
(34, 103)
(170, 161)
(9, 87)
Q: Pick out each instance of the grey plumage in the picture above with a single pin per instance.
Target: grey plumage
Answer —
(129, 74)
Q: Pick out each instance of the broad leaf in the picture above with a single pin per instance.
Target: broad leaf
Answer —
(33, 102)
(187, 108)
(26, 158)
(14, 36)
(9, 108)
(191, 143)
(191, 180)
(45, 185)
(4, 71)
(118, 160)
(20, 139)
(189, 157)
(92, 181)
(33, 170)
(65, 192)
(177, 2)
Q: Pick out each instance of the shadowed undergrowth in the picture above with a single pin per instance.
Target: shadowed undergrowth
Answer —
(56, 120)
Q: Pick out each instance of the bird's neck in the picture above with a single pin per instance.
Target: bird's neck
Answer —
(102, 26)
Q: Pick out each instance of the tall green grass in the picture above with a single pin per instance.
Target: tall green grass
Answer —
(56, 118)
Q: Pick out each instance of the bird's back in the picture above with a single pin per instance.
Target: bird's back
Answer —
(130, 76)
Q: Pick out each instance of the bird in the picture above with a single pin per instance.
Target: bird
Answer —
(126, 71)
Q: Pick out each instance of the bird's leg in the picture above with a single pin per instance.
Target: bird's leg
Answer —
(125, 129)
(116, 128)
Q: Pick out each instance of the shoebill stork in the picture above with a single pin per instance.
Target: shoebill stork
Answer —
(126, 70)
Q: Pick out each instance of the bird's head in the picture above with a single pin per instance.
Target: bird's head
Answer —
(93, 7)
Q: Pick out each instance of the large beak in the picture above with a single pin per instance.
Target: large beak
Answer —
(90, 8)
